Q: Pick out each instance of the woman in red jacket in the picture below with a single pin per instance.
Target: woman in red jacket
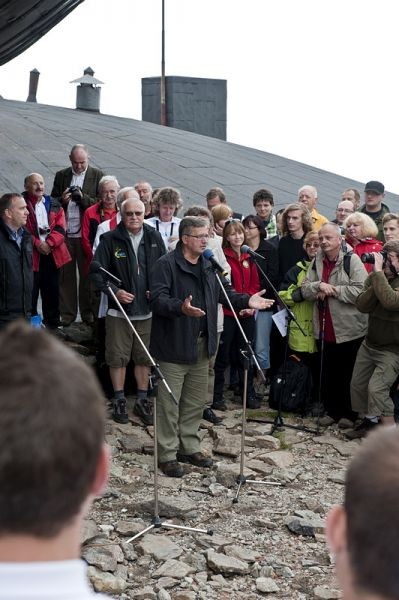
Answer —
(361, 232)
(244, 279)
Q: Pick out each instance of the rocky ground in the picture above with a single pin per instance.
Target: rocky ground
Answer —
(270, 543)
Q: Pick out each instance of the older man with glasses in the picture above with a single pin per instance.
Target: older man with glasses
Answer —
(128, 252)
(184, 301)
(343, 210)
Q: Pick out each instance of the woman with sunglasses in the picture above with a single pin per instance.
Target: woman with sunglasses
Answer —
(244, 279)
(255, 237)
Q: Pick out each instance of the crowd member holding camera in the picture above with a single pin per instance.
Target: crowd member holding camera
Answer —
(333, 282)
(46, 224)
(360, 233)
(76, 187)
(377, 362)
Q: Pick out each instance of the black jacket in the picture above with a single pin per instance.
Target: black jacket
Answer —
(115, 253)
(16, 276)
(173, 334)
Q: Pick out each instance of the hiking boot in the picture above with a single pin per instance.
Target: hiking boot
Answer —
(142, 409)
(219, 405)
(209, 415)
(119, 413)
(253, 402)
(197, 459)
(171, 468)
(361, 430)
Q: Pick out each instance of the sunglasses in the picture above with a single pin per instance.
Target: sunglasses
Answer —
(133, 213)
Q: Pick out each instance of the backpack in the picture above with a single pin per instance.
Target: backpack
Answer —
(297, 391)
(347, 263)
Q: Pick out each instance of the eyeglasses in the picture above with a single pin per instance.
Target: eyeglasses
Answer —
(313, 245)
(251, 227)
(345, 210)
(133, 213)
(203, 236)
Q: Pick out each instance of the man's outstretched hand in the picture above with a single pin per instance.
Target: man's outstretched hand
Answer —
(189, 310)
(256, 301)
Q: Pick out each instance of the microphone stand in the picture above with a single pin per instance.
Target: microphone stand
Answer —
(278, 422)
(156, 521)
(249, 357)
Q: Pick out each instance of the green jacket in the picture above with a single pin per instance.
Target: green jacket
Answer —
(303, 309)
(380, 299)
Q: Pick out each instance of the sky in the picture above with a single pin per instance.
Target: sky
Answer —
(312, 80)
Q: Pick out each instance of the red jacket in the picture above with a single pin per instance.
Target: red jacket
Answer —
(367, 245)
(92, 217)
(244, 274)
(56, 237)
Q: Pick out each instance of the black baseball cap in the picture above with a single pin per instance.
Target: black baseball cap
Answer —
(375, 186)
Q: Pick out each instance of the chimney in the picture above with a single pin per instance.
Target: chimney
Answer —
(33, 83)
(88, 91)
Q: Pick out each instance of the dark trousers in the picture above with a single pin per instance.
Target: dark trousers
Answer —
(230, 345)
(46, 281)
(338, 362)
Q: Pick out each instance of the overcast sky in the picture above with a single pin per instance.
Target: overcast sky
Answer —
(312, 80)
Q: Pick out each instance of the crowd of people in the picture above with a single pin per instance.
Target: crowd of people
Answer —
(338, 276)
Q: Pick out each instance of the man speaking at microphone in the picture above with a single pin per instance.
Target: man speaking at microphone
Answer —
(184, 298)
(128, 252)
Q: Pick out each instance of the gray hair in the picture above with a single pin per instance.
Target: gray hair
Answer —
(107, 179)
(310, 188)
(187, 224)
(122, 193)
(123, 205)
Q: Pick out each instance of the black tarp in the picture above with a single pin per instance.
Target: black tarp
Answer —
(23, 22)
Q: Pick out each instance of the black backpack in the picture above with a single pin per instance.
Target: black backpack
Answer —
(297, 392)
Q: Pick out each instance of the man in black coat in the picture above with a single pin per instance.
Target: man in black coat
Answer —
(184, 298)
(16, 273)
(128, 252)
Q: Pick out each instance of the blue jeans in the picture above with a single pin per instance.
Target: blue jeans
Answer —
(263, 328)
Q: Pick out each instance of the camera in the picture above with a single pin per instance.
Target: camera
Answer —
(76, 193)
(368, 257)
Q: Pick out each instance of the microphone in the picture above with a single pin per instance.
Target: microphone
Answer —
(95, 267)
(248, 250)
(208, 254)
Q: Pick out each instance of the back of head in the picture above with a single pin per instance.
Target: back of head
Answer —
(371, 505)
(52, 422)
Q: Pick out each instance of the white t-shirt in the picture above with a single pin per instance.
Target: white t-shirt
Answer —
(169, 230)
(54, 580)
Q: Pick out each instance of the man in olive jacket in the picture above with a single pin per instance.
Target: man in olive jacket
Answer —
(377, 362)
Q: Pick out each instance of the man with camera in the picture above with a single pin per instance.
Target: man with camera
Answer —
(377, 362)
(76, 187)
(46, 224)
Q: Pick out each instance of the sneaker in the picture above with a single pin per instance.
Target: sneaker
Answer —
(326, 421)
(142, 409)
(219, 405)
(361, 430)
(209, 415)
(119, 413)
(197, 459)
(171, 468)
